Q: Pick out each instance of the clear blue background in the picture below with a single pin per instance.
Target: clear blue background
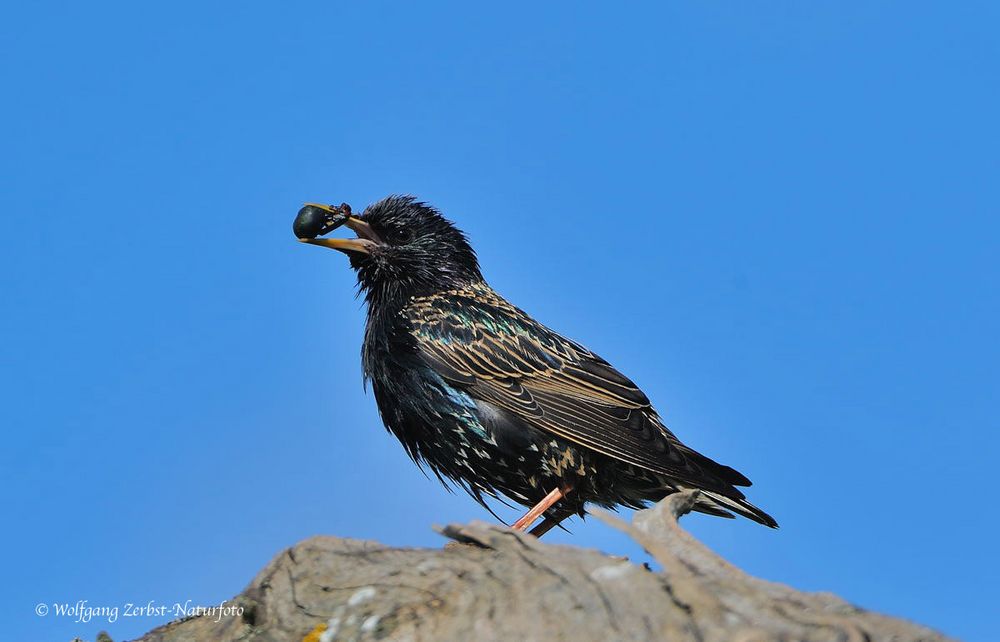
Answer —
(780, 219)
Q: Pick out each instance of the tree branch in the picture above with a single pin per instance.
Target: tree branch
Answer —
(503, 584)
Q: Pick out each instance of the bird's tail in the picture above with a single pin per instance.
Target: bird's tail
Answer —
(718, 504)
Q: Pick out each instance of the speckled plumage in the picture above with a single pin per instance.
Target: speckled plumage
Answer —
(495, 402)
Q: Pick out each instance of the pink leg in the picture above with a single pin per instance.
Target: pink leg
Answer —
(529, 518)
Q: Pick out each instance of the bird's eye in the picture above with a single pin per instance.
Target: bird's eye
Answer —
(403, 235)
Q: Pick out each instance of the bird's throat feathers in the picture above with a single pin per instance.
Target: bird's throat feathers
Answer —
(389, 295)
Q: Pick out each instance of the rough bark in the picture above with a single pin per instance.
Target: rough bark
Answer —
(497, 584)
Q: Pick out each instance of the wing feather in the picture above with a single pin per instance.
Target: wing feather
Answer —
(500, 355)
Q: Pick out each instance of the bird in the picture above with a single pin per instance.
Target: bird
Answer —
(492, 401)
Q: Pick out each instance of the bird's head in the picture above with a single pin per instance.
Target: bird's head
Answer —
(404, 248)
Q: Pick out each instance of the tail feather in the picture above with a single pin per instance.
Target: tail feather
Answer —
(708, 508)
(739, 506)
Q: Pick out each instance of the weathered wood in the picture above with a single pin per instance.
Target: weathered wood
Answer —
(499, 584)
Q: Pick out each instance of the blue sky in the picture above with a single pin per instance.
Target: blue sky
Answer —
(779, 219)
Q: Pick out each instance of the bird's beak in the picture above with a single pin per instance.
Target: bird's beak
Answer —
(366, 241)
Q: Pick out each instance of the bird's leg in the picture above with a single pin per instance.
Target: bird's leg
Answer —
(536, 511)
(549, 523)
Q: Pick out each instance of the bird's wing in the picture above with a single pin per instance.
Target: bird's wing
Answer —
(497, 353)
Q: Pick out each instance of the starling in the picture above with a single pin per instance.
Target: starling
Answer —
(493, 401)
